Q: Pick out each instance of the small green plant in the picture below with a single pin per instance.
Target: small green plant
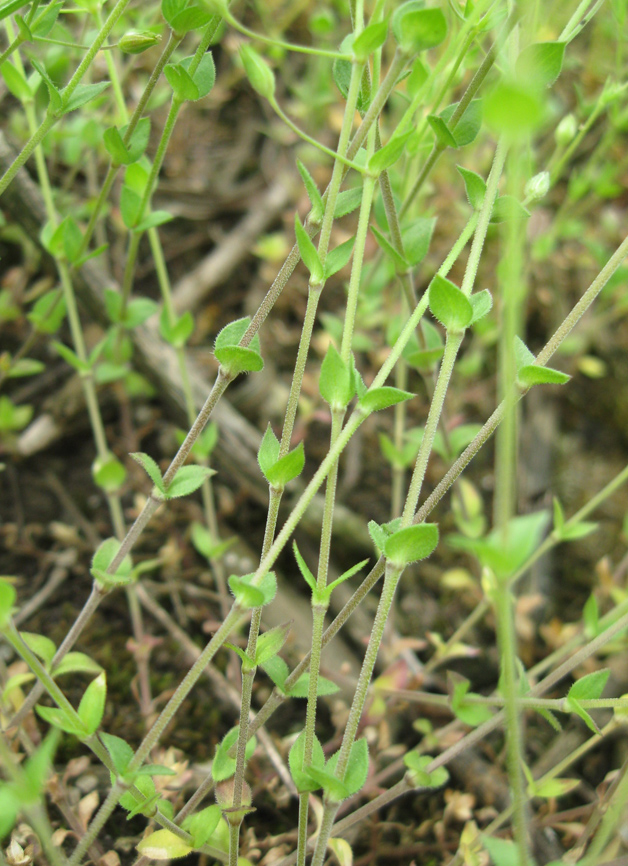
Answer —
(465, 98)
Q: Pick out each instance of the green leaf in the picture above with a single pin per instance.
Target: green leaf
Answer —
(301, 777)
(301, 688)
(62, 720)
(115, 147)
(523, 356)
(119, 750)
(505, 552)
(92, 706)
(76, 663)
(46, 19)
(269, 643)
(470, 714)
(369, 40)
(308, 253)
(56, 103)
(377, 399)
(151, 468)
(7, 600)
(336, 380)
(540, 64)
(130, 206)
(305, 571)
(401, 265)
(223, 766)
(16, 682)
(534, 374)
(42, 646)
(345, 576)
(388, 155)
(205, 76)
(444, 136)
(179, 331)
(258, 72)
(138, 311)
(268, 453)
(163, 845)
(449, 305)
(347, 201)
(277, 670)
(590, 686)
(357, 766)
(287, 468)
(513, 109)
(206, 544)
(475, 187)
(507, 208)
(313, 193)
(341, 73)
(253, 596)
(187, 480)
(482, 303)
(380, 534)
(232, 333)
(334, 790)
(10, 7)
(16, 82)
(338, 258)
(201, 825)
(48, 312)
(83, 94)
(102, 559)
(502, 851)
(411, 544)
(153, 219)
(468, 126)
(571, 532)
(181, 82)
(238, 359)
(248, 663)
(417, 29)
(417, 238)
(419, 777)
(139, 139)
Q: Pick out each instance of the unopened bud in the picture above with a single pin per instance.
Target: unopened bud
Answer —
(135, 42)
(566, 130)
(538, 186)
(258, 72)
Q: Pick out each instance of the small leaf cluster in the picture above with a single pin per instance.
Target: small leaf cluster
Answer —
(248, 594)
(65, 242)
(45, 649)
(453, 309)
(322, 774)
(133, 194)
(529, 373)
(469, 713)
(144, 799)
(417, 773)
(223, 765)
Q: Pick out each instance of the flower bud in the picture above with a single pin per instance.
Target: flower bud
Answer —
(135, 42)
(538, 186)
(566, 130)
(258, 72)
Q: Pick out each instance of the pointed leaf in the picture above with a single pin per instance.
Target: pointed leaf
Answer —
(92, 706)
(301, 688)
(302, 779)
(590, 686)
(187, 480)
(416, 239)
(444, 136)
(42, 646)
(346, 575)
(401, 265)
(269, 643)
(468, 126)
(102, 559)
(377, 399)
(534, 374)
(449, 305)
(151, 468)
(482, 303)
(268, 453)
(475, 187)
(76, 663)
(305, 571)
(336, 382)
(369, 40)
(83, 94)
(163, 845)
(411, 544)
(418, 29)
(119, 750)
(388, 155)
(540, 64)
(316, 200)
(62, 720)
(338, 258)
(308, 253)
(348, 200)
(202, 825)
(287, 468)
